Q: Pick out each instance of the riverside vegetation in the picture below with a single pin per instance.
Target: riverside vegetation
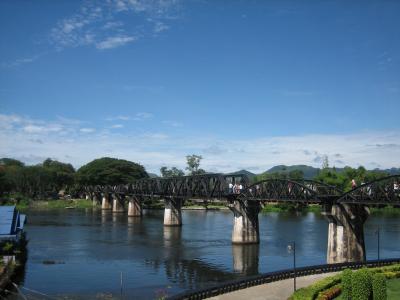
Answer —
(37, 186)
(367, 283)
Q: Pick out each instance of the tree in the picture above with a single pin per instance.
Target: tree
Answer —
(342, 179)
(111, 171)
(62, 174)
(10, 162)
(173, 172)
(8, 169)
(193, 164)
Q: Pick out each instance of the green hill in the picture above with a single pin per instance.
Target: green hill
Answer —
(249, 174)
(308, 171)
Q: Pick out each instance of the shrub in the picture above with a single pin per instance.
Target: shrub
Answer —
(331, 293)
(346, 284)
(361, 282)
(7, 248)
(379, 286)
(390, 275)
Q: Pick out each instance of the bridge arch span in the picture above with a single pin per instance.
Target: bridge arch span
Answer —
(382, 191)
(307, 191)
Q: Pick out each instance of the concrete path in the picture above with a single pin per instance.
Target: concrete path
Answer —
(278, 290)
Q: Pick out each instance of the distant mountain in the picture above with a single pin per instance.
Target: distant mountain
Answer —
(308, 171)
(152, 175)
(391, 171)
(249, 174)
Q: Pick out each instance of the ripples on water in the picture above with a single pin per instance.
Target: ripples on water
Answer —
(92, 248)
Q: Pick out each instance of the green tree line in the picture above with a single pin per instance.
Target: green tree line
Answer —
(47, 179)
(341, 179)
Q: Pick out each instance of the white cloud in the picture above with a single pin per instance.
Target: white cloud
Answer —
(143, 116)
(66, 141)
(140, 116)
(120, 118)
(21, 61)
(173, 123)
(34, 129)
(96, 23)
(160, 26)
(116, 126)
(87, 130)
(113, 42)
(115, 24)
(157, 136)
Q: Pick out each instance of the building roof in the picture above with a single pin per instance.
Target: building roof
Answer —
(11, 222)
(8, 220)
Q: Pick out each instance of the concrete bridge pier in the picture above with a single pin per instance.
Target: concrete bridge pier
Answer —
(245, 222)
(118, 203)
(106, 201)
(346, 232)
(173, 212)
(96, 199)
(134, 207)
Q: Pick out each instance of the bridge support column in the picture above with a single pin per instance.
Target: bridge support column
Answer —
(118, 203)
(346, 232)
(134, 207)
(106, 201)
(96, 199)
(173, 212)
(245, 222)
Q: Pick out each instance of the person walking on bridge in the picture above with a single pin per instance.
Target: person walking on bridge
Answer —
(230, 188)
(353, 184)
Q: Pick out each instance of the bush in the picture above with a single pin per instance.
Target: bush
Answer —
(346, 284)
(330, 294)
(391, 275)
(379, 286)
(361, 282)
(7, 248)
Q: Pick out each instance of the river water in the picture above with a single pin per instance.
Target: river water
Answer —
(93, 250)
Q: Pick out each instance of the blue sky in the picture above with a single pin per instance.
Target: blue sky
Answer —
(246, 84)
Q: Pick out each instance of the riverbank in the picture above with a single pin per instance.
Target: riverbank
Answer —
(270, 207)
(7, 270)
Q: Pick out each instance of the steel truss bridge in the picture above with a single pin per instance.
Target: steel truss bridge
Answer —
(383, 191)
(346, 212)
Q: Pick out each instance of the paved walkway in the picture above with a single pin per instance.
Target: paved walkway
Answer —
(278, 290)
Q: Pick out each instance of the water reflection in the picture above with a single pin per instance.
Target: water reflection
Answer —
(245, 259)
(96, 246)
(172, 237)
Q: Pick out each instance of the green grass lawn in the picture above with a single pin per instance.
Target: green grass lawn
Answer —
(393, 289)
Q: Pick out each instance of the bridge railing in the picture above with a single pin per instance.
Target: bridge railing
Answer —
(239, 284)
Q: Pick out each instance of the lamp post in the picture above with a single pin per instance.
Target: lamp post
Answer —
(292, 249)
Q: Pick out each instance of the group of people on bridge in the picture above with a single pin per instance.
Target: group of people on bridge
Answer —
(235, 188)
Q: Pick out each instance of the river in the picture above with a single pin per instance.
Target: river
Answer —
(83, 254)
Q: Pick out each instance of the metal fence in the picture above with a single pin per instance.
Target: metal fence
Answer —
(276, 276)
